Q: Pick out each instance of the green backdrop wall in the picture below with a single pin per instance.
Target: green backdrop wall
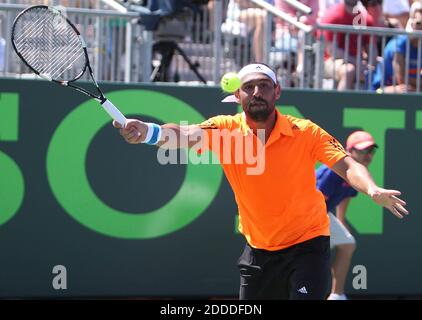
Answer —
(74, 194)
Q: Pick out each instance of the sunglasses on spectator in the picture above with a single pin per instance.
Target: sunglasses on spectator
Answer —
(370, 150)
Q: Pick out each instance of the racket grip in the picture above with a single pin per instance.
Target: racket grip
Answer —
(114, 112)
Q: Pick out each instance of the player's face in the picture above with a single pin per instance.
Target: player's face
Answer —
(258, 95)
(363, 156)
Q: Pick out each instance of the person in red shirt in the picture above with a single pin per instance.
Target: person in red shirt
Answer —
(339, 64)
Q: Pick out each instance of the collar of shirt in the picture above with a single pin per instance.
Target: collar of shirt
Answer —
(282, 126)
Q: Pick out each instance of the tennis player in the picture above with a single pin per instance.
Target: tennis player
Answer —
(338, 193)
(281, 213)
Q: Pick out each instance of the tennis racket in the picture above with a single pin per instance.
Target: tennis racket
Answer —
(51, 46)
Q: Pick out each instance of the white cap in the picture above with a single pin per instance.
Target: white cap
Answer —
(257, 68)
(252, 68)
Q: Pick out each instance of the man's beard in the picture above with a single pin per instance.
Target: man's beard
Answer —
(258, 113)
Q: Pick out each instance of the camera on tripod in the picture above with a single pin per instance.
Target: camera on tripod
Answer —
(169, 20)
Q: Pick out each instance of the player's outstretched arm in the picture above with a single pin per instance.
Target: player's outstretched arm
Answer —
(169, 136)
(359, 178)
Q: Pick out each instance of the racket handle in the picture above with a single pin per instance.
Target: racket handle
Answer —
(114, 112)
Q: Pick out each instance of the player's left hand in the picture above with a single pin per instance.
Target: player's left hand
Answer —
(389, 199)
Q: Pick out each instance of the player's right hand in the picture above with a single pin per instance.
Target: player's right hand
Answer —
(389, 199)
(134, 132)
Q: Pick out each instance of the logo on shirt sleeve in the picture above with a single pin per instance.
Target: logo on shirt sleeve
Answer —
(336, 144)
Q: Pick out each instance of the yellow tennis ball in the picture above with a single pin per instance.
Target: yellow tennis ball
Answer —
(230, 82)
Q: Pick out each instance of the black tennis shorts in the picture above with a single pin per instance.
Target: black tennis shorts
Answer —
(299, 272)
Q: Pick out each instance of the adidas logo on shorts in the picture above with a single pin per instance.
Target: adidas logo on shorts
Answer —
(303, 290)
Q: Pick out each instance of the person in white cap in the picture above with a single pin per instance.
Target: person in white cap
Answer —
(397, 10)
(281, 213)
(338, 193)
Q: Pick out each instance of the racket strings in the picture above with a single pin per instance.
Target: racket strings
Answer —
(72, 52)
(30, 31)
(49, 44)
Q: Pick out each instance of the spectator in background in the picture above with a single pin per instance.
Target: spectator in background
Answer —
(374, 8)
(408, 25)
(287, 36)
(397, 11)
(243, 18)
(344, 71)
(324, 5)
(338, 193)
(394, 59)
(291, 11)
(285, 29)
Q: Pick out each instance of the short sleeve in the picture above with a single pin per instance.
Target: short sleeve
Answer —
(212, 138)
(326, 148)
(353, 193)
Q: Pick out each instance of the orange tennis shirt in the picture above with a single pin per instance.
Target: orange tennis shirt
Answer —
(280, 206)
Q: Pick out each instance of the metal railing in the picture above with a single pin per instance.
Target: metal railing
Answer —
(222, 37)
(254, 33)
(299, 54)
(212, 40)
(114, 42)
(371, 68)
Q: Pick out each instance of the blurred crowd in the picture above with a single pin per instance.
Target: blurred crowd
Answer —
(89, 4)
(385, 61)
(381, 62)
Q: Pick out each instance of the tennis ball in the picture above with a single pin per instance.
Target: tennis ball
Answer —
(230, 82)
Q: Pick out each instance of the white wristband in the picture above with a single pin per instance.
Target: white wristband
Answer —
(153, 133)
(149, 132)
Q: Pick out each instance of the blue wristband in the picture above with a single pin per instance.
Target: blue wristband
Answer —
(155, 135)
